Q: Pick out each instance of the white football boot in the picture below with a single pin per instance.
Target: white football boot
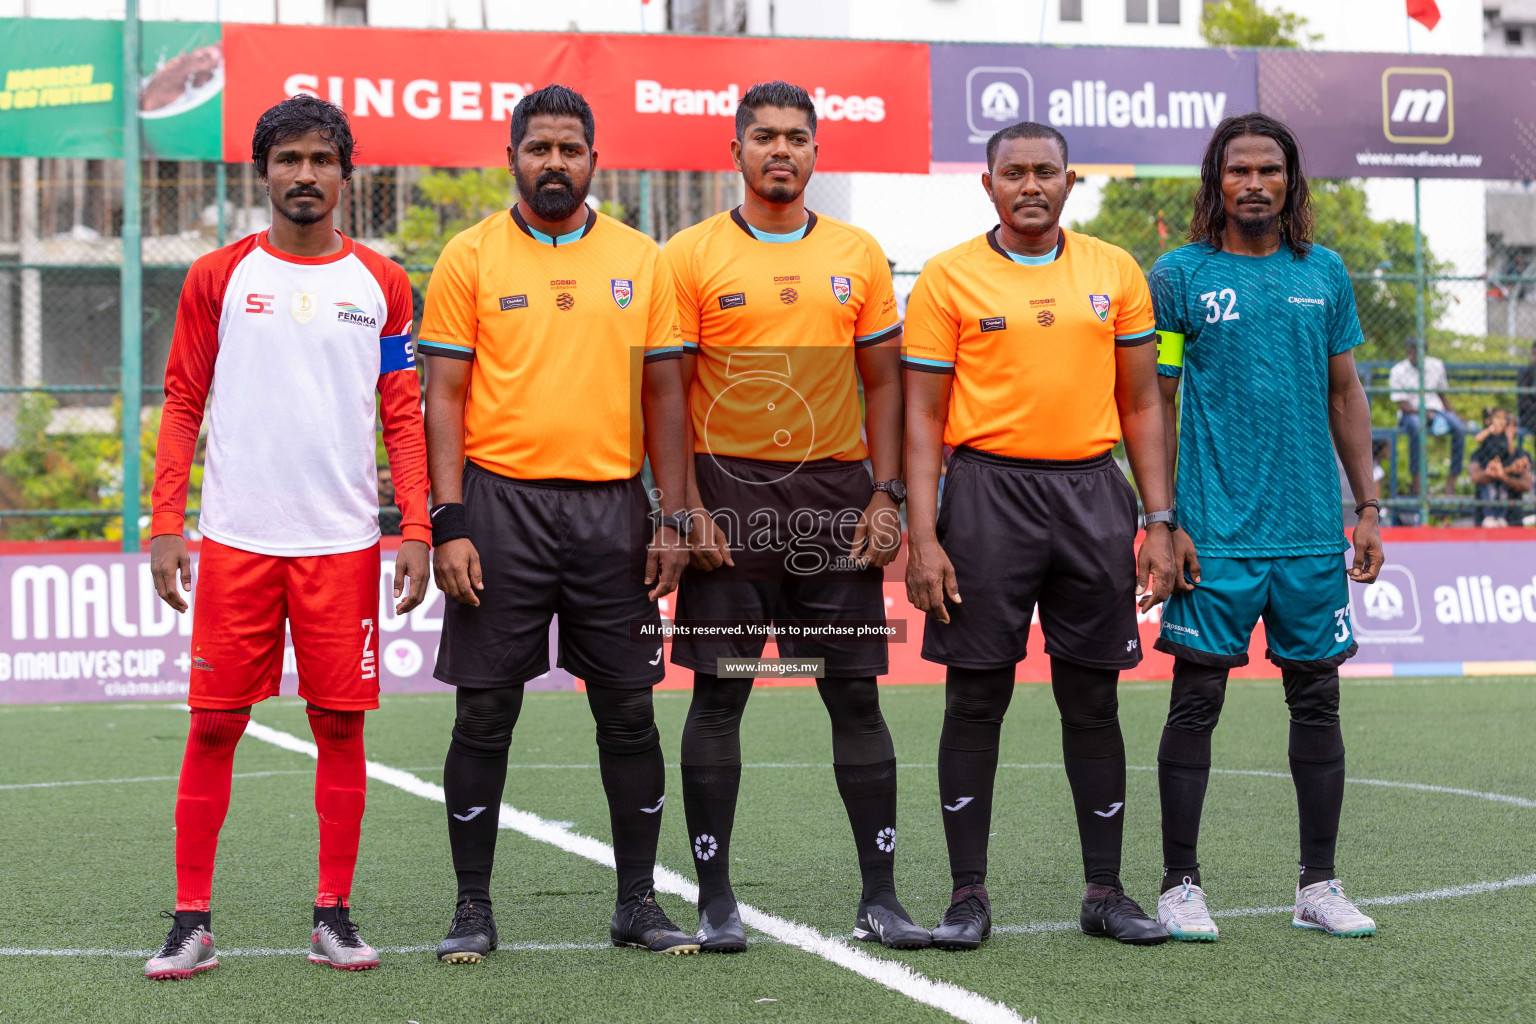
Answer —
(1182, 911)
(1324, 907)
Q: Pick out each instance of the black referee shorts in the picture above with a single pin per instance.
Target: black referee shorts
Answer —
(571, 548)
(1022, 531)
(788, 529)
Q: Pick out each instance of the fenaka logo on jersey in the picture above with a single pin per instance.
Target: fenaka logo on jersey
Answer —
(351, 313)
(305, 306)
(623, 292)
(1418, 105)
(842, 288)
(1100, 304)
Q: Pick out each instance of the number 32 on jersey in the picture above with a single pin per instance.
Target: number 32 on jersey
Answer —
(1213, 302)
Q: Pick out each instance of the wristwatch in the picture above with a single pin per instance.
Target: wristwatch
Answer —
(1169, 516)
(682, 522)
(895, 488)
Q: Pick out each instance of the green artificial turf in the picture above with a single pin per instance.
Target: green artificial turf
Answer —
(87, 867)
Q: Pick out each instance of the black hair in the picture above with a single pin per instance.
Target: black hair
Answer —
(773, 94)
(1210, 216)
(300, 115)
(552, 101)
(1025, 130)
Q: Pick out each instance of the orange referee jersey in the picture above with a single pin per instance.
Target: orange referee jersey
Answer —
(557, 329)
(774, 324)
(1031, 343)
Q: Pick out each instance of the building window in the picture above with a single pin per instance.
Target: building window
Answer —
(1136, 12)
(347, 12)
(1071, 10)
(1167, 12)
(1514, 36)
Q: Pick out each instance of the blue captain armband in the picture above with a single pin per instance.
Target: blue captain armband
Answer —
(396, 352)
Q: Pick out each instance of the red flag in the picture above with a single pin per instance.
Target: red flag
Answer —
(1425, 12)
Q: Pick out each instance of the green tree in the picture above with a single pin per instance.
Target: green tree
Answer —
(1245, 23)
(454, 200)
(1376, 253)
(76, 471)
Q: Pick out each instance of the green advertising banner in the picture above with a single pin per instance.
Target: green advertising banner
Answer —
(62, 82)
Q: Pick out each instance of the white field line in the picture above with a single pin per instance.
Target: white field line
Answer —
(1447, 893)
(958, 1002)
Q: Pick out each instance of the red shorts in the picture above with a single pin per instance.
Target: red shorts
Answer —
(331, 605)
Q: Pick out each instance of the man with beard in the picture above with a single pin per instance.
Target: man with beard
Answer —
(1029, 350)
(299, 327)
(1259, 323)
(553, 341)
(783, 312)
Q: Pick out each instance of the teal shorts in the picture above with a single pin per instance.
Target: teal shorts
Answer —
(1303, 600)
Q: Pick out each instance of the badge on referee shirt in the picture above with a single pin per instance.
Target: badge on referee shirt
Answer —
(623, 292)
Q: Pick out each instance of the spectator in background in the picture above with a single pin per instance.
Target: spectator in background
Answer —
(389, 515)
(1404, 382)
(1525, 403)
(1501, 470)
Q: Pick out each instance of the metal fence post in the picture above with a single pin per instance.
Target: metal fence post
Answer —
(1421, 466)
(131, 281)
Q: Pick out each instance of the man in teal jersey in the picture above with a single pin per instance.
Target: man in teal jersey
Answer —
(1259, 323)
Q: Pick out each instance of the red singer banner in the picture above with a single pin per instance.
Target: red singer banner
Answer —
(445, 98)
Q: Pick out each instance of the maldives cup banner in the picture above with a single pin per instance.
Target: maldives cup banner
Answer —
(663, 102)
(90, 627)
(1405, 115)
(1134, 109)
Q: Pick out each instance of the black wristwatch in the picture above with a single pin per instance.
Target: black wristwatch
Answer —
(1169, 517)
(682, 522)
(895, 488)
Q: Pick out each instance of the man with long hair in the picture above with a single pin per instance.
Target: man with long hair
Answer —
(286, 336)
(1259, 323)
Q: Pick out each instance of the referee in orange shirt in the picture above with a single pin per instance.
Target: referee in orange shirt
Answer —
(783, 313)
(1030, 350)
(553, 356)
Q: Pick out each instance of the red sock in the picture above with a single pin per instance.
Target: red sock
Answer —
(341, 790)
(202, 801)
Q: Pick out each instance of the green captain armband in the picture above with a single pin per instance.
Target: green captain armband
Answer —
(1170, 354)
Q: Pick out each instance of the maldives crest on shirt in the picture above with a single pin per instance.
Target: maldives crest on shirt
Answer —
(623, 292)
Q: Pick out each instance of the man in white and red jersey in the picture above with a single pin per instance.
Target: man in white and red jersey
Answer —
(286, 336)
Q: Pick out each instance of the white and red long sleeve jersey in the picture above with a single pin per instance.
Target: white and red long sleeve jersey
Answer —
(287, 352)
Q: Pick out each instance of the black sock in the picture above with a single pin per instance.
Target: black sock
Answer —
(634, 779)
(1317, 769)
(869, 796)
(1094, 754)
(709, 803)
(975, 701)
(1183, 771)
(864, 761)
(636, 785)
(474, 774)
(712, 779)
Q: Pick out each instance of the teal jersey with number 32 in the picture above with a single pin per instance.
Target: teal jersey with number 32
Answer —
(1251, 338)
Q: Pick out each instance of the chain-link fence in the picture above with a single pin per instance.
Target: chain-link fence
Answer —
(60, 446)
